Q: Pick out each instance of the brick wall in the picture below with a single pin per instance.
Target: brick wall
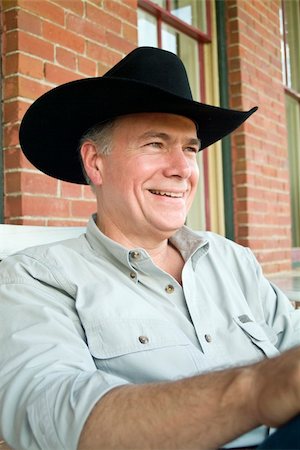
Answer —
(46, 43)
(260, 161)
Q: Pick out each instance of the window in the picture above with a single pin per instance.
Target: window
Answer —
(290, 28)
(184, 28)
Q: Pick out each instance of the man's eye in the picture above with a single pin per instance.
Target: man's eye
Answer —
(192, 149)
(155, 144)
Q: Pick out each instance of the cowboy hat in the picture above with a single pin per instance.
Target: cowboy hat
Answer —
(146, 80)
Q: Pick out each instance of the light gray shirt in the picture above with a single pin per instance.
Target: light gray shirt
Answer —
(82, 316)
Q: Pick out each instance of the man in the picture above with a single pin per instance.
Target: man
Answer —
(141, 334)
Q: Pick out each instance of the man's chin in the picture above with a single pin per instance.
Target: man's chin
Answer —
(167, 230)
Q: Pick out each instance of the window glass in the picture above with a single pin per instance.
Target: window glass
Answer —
(187, 49)
(193, 12)
(147, 29)
(293, 121)
(292, 51)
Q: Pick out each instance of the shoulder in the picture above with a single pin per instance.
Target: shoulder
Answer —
(47, 262)
(217, 241)
(226, 250)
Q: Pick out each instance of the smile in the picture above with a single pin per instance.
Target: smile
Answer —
(167, 194)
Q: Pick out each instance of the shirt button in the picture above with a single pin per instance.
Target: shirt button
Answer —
(169, 289)
(143, 339)
(133, 275)
(135, 255)
(208, 337)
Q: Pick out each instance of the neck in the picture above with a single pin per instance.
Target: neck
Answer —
(162, 253)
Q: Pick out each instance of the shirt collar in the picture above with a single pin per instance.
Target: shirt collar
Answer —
(190, 244)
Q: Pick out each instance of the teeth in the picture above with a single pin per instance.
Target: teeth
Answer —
(167, 194)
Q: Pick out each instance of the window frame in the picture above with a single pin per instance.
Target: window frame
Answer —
(164, 15)
(291, 93)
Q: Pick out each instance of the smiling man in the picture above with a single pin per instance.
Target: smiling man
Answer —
(141, 334)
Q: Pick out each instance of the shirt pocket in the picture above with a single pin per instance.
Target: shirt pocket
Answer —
(140, 350)
(259, 337)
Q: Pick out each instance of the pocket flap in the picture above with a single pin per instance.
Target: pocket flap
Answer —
(253, 329)
(115, 337)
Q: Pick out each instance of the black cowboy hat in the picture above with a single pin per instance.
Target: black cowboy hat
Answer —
(146, 80)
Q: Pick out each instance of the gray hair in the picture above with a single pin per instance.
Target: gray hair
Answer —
(101, 136)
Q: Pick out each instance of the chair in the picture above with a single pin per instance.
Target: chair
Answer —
(17, 237)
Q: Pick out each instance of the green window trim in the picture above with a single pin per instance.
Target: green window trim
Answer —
(224, 102)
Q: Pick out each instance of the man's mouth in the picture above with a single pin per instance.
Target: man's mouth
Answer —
(167, 194)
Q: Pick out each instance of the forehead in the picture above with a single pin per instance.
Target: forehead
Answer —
(141, 122)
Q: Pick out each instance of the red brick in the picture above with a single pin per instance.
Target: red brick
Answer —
(81, 26)
(100, 17)
(130, 33)
(103, 54)
(126, 10)
(119, 43)
(10, 21)
(10, 42)
(11, 135)
(10, 87)
(29, 182)
(87, 66)
(14, 158)
(82, 208)
(14, 111)
(66, 58)
(12, 182)
(12, 206)
(66, 223)
(70, 190)
(24, 87)
(29, 22)
(45, 206)
(11, 158)
(24, 64)
(19, 40)
(25, 221)
(44, 9)
(88, 193)
(58, 75)
(59, 35)
(76, 6)
(37, 183)
(31, 89)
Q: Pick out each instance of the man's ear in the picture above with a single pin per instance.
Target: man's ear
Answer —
(92, 162)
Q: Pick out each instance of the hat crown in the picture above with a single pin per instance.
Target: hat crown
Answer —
(156, 67)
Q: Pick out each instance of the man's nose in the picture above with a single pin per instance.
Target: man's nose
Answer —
(178, 164)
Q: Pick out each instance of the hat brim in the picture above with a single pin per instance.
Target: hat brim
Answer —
(53, 125)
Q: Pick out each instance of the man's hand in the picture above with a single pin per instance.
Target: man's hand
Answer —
(276, 384)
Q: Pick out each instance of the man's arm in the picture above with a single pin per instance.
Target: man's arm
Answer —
(202, 412)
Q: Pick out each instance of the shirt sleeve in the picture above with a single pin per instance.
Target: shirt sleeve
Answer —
(279, 314)
(48, 380)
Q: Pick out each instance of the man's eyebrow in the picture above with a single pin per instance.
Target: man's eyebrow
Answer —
(166, 137)
(155, 134)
